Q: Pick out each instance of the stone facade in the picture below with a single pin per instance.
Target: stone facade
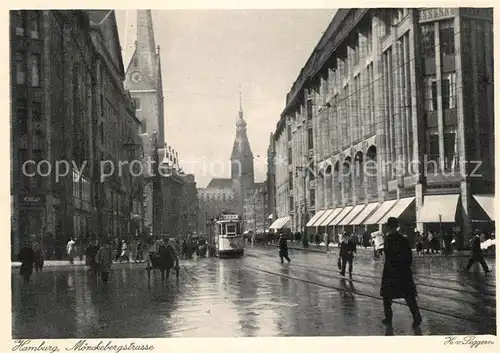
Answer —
(385, 109)
(64, 63)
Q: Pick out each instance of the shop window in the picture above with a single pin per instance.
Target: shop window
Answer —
(312, 197)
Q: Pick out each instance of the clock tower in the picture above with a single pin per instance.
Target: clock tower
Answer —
(143, 78)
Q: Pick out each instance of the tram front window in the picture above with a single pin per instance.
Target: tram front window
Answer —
(231, 229)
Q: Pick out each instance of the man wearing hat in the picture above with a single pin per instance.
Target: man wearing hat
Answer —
(397, 277)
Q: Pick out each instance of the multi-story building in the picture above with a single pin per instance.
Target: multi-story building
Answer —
(255, 209)
(390, 116)
(271, 182)
(67, 102)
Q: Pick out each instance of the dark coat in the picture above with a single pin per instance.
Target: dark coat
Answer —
(347, 249)
(476, 252)
(167, 257)
(397, 277)
(27, 258)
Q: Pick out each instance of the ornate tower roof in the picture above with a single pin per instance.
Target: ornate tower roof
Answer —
(241, 146)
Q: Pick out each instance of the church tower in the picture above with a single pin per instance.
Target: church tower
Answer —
(144, 82)
(242, 173)
(143, 78)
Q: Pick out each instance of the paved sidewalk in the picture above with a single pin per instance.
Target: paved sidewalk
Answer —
(65, 263)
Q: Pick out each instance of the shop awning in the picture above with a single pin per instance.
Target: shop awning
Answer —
(439, 208)
(314, 218)
(322, 218)
(280, 223)
(354, 212)
(398, 209)
(364, 214)
(270, 216)
(380, 212)
(330, 217)
(487, 203)
(341, 216)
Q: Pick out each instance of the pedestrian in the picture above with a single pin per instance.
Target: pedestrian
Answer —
(397, 277)
(90, 256)
(118, 249)
(39, 257)
(418, 242)
(138, 251)
(283, 246)
(71, 250)
(27, 258)
(104, 259)
(124, 254)
(476, 254)
(347, 250)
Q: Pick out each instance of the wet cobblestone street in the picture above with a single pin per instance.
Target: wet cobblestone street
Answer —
(252, 296)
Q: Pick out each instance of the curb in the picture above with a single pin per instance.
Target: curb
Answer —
(75, 264)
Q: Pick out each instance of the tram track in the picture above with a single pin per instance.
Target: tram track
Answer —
(363, 294)
(417, 276)
(418, 280)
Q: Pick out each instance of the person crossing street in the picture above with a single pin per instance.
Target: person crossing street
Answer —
(397, 276)
(283, 244)
(347, 250)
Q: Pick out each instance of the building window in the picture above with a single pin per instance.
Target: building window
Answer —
(23, 157)
(137, 103)
(22, 116)
(310, 138)
(36, 108)
(290, 181)
(430, 93)
(427, 38)
(312, 197)
(355, 52)
(143, 126)
(290, 155)
(309, 109)
(289, 133)
(20, 74)
(291, 205)
(34, 24)
(102, 104)
(18, 20)
(37, 179)
(448, 88)
(35, 70)
(447, 37)
(312, 173)
(450, 149)
(77, 193)
(432, 150)
(369, 40)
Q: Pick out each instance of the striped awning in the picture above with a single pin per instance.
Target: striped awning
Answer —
(398, 209)
(322, 218)
(439, 209)
(330, 217)
(280, 223)
(354, 212)
(487, 203)
(380, 212)
(341, 216)
(367, 211)
(315, 218)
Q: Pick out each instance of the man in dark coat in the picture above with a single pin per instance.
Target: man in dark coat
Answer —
(347, 250)
(476, 254)
(27, 258)
(397, 277)
(283, 244)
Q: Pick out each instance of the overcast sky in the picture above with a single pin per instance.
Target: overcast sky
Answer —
(206, 55)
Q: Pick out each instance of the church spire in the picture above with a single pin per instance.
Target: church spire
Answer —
(241, 107)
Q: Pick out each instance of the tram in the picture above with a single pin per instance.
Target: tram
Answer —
(225, 238)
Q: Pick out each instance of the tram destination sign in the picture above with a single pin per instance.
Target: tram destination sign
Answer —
(230, 217)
